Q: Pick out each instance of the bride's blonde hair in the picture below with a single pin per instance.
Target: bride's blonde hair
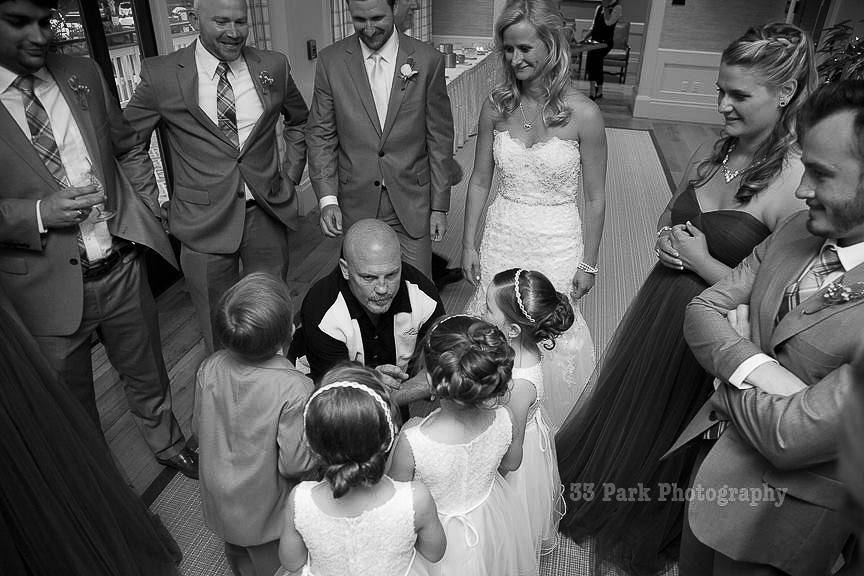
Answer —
(555, 71)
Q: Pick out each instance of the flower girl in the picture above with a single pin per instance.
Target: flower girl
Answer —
(459, 448)
(357, 521)
(526, 307)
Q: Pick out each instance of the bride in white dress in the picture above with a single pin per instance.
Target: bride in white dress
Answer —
(546, 140)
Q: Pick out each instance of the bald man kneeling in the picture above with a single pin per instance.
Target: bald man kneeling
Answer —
(373, 309)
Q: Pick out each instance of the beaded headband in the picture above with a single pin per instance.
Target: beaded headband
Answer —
(519, 296)
(375, 396)
(435, 327)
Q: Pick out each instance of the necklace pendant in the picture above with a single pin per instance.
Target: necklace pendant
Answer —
(527, 126)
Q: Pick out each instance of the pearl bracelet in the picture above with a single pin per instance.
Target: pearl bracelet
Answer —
(663, 229)
(593, 270)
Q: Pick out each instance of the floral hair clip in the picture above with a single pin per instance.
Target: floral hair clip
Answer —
(407, 72)
(266, 81)
(80, 89)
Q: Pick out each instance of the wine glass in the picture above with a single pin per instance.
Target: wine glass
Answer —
(87, 178)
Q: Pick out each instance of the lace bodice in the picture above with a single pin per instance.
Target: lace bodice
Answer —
(533, 374)
(546, 174)
(460, 476)
(378, 541)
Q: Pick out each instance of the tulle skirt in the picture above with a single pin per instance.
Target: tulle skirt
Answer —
(566, 370)
(538, 486)
(648, 386)
(64, 507)
(490, 539)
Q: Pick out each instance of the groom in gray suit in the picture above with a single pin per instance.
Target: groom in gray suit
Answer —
(804, 286)
(233, 198)
(380, 133)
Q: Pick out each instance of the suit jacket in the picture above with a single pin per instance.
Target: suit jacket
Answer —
(351, 154)
(249, 421)
(787, 443)
(207, 210)
(40, 272)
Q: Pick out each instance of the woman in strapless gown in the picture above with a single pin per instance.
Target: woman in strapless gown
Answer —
(544, 147)
(648, 384)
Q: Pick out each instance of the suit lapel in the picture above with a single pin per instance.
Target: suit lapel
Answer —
(357, 72)
(397, 94)
(788, 266)
(815, 309)
(256, 68)
(79, 113)
(187, 77)
(19, 143)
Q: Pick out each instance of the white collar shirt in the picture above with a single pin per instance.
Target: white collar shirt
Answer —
(70, 142)
(247, 103)
(388, 53)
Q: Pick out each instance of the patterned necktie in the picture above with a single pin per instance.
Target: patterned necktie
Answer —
(380, 93)
(43, 141)
(226, 111)
(811, 282)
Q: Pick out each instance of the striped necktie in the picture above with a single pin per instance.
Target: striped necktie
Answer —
(42, 138)
(226, 111)
(827, 263)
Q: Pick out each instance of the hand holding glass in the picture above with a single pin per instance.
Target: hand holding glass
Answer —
(88, 178)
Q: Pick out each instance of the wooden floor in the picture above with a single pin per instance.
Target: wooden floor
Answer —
(313, 256)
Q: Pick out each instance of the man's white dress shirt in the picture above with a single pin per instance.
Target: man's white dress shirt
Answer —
(246, 101)
(73, 151)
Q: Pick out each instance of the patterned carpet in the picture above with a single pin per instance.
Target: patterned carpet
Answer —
(637, 189)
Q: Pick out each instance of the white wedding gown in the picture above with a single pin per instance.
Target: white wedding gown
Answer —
(533, 223)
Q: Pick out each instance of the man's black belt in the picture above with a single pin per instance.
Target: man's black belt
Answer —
(101, 268)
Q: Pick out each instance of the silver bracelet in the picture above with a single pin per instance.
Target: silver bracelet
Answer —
(593, 270)
(663, 229)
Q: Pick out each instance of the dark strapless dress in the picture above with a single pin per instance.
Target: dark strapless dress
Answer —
(64, 507)
(645, 390)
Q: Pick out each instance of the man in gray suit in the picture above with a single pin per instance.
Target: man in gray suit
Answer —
(380, 133)
(783, 390)
(233, 198)
(68, 273)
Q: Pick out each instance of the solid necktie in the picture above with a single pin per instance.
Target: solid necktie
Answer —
(380, 91)
(42, 138)
(812, 281)
(226, 111)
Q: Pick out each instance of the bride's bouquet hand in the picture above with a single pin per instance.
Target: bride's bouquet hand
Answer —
(471, 265)
(582, 284)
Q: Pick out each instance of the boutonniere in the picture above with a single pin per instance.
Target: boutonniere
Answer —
(407, 72)
(839, 293)
(266, 81)
(80, 89)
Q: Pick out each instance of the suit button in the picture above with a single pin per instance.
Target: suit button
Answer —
(380, 154)
(73, 261)
(377, 183)
(712, 416)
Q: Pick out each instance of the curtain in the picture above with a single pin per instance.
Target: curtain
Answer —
(259, 20)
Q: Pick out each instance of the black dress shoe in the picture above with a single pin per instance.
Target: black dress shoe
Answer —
(186, 462)
(449, 276)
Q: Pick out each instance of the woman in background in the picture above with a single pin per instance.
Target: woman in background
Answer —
(649, 385)
(602, 30)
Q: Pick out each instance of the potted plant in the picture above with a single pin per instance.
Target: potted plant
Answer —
(843, 53)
